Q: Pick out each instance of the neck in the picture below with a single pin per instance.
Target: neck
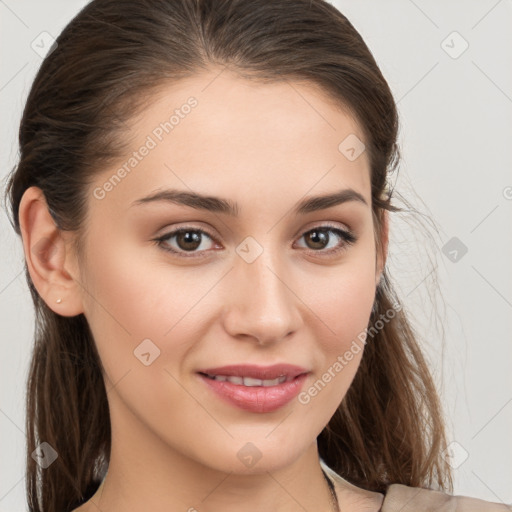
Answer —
(292, 489)
(146, 473)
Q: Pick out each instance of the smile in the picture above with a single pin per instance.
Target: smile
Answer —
(248, 381)
(257, 389)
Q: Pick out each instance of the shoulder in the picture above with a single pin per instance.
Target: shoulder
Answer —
(402, 498)
(414, 499)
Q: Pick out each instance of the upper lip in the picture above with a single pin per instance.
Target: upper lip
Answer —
(257, 372)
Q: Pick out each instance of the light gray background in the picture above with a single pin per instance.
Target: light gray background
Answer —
(456, 116)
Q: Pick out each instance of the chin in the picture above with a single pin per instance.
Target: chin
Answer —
(256, 457)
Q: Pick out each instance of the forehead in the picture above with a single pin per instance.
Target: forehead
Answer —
(219, 134)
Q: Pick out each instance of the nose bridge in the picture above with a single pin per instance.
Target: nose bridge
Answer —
(263, 304)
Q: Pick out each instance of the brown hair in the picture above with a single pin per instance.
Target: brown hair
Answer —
(113, 54)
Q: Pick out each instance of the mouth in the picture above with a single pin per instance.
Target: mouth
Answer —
(255, 388)
(252, 375)
(249, 381)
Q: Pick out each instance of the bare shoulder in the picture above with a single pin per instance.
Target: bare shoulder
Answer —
(408, 499)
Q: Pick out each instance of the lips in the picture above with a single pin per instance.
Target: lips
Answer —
(261, 373)
(255, 388)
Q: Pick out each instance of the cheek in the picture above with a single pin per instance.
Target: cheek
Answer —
(136, 306)
(344, 297)
(342, 351)
(343, 308)
(120, 305)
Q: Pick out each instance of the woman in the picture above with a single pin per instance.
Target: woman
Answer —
(203, 202)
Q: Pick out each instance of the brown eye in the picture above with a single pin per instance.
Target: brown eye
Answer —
(188, 240)
(185, 240)
(193, 242)
(319, 239)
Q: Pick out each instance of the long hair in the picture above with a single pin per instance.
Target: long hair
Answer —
(389, 427)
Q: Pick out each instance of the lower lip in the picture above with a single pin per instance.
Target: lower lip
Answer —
(257, 398)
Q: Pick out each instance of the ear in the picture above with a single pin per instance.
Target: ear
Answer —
(48, 256)
(382, 252)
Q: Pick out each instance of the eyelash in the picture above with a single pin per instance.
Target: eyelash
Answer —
(348, 237)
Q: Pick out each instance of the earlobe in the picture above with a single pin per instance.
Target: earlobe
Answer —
(46, 253)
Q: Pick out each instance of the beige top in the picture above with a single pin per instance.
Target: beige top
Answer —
(401, 498)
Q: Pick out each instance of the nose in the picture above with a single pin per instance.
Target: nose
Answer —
(262, 305)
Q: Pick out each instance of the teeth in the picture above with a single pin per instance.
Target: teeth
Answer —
(235, 380)
(249, 381)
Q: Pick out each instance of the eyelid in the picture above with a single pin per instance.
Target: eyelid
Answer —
(323, 224)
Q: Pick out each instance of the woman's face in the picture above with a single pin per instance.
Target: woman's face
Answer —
(260, 285)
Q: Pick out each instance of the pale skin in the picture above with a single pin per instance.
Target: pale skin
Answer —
(265, 147)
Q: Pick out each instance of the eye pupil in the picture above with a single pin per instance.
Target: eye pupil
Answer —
(188, 237)
(318, 237)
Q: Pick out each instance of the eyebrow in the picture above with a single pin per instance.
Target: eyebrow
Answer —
(219, 205)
